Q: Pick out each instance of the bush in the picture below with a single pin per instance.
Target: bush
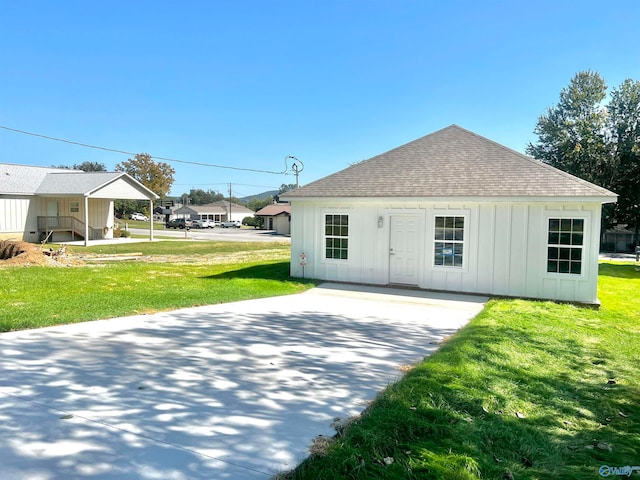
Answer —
(255, 222)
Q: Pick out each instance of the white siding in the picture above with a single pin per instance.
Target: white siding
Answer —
(17, 219)
(504, 251)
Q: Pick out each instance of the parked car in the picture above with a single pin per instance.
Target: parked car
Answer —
(202, 224)
(231, 224)
(179, 223)
(139, 216)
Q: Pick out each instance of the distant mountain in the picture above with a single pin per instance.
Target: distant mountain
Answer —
(259, 196)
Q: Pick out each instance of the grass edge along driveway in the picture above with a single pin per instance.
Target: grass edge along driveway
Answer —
(528, 390)
(171, 275)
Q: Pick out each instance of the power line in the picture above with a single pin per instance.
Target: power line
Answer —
(107, 149)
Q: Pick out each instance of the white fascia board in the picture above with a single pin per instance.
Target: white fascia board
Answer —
(506, 199)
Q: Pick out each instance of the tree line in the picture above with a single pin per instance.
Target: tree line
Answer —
(597, 138)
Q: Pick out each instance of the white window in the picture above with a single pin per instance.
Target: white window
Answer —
(74, 207)
(448, 250)
(565, 242)
(336, 236)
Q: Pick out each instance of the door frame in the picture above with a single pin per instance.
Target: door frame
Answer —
(419, 214)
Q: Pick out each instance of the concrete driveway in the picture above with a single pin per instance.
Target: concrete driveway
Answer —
(232, 391)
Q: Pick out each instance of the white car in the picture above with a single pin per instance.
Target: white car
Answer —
(139, 216)
(231, 224)
(202, 224)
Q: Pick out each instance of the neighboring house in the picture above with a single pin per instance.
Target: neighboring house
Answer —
(59, 205)
(452, 211)
(214, 212)
(276, 217)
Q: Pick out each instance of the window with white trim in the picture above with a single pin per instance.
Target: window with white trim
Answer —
(74, 207)
(565, 243)
(448, 241)
(336, 236)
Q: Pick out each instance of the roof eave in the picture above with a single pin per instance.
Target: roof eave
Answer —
(474, 199)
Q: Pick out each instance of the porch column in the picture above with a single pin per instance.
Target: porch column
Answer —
(86, 221)
(151, 220)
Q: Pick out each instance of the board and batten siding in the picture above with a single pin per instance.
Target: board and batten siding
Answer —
(505, 249)
(15, 216)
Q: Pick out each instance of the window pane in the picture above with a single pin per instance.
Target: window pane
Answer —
(328, 230)
(439, 222)
(576, 267)
(344, 231)
(552, 253)
(578, 225)
(552, 266)
(343, 254)
(459, 222)
(565, 239)
(554, 238)
(554, 225)
(439, 234)
(564, 253)
(458, 234)
(328, 253)
(565, 224)
(563, 266)
(576, 254)
(448, 234)
(576, 239)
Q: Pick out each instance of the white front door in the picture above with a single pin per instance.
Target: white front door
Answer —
(52, 213)
(404, 254)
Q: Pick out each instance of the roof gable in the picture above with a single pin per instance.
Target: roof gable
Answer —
(51, 181)
(452, 162)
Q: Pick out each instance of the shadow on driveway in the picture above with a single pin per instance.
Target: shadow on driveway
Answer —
(226, 391)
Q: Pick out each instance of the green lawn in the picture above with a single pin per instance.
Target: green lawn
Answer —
(528, 390)
(170, 275)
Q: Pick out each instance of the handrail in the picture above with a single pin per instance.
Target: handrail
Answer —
(67, 223)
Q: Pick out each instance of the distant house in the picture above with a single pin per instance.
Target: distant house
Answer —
(276, 217)
(452, 211)
(216, 212)
(59, 205)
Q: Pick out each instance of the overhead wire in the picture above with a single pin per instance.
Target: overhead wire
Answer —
(166, 159)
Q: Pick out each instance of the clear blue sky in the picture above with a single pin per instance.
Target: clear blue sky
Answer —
(331, 82)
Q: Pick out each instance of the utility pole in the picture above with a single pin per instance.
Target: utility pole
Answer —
(295, 169)
(229, 219)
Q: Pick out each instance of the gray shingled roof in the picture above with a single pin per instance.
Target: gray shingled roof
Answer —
(64, 183)
(452, 162)
(25, 179)
(33, 180)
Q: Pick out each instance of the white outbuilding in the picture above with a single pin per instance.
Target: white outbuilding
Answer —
(452, 211)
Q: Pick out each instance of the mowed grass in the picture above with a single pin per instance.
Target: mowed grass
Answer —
(528, 390)
(169, 275)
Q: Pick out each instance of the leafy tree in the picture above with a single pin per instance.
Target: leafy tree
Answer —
(85, 167)
(597, 142)
(200, 197)
(624, 124)
(156, 176)
(91, 167)
(258, 203)
(572, 135)
(286, 187)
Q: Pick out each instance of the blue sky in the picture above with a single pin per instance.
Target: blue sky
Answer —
(248, 83)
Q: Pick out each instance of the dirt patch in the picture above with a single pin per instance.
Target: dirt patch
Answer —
(25, 254)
